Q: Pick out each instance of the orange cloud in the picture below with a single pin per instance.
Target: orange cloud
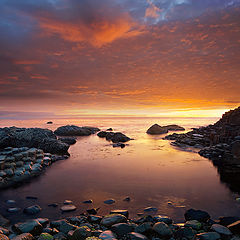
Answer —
(97, 33)
(152, 11)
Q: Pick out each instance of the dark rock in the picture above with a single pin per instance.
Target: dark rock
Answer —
(225, 221)
(112, 219)
(50, 122)
(72, 130)
(121, 145)
(127, 199)
(92, 211)
(198, 215)
(81, 233)
(234, 227)
(121, 229)
(209, 236)
(63, 226)
(32, 226)
(162, 229)
(109, 201)
(164, 219)
(14, 210)
(221, 229)
(109, 129)
(102, 134)
(60, 236)
(68, 140)
(184, 233)
(53, 204)
(35, 209)
(156, 129)
(94, 219)
(88, 201)
(119, 137)
(45, 236)
(150, 209)
(174, 128)
(144, 228)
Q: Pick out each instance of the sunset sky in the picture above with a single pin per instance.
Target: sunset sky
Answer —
(62, 58)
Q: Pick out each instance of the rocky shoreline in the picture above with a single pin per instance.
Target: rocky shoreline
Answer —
(117, 225)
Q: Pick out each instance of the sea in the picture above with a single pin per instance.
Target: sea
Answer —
(149, 170)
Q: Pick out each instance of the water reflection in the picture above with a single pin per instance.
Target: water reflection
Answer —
(149, 170)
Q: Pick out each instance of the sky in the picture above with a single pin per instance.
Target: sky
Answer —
(70, 58)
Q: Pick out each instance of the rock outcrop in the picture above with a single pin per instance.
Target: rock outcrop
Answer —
(72, 130)
(44, 139)
(116, 137)
(157, 129)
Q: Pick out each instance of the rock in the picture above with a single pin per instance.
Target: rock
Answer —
(162, 229)
(35, 209)
(3, 237)
(92, 211)
(109, 201)
(81, 233)
(185, 233)
(67, 202)
(5, 231)
(123, 212)
(209, 236)
(150, 209)
(72, 130)
(225, 221)
(112, 219)
(3, 221)
(156, 129)
(194, 224)
(68, 140)
(14, 210)
(121, 145)
(109, 129)
(88, 201)
(63, 226)
(119, 137)
(68, 208)
(198, 215)
(50, 122)
(43, 221)
(102, 134)
(94, 219)
(145, 227)
(107, 235)
(45, 236)
(121, 229)
(127, 199)
(174, 128)
(32, 226)
(24, 236)
(136, 236)
(164, 219)
(221, 229)
(32, 197)
(53, 204)
(60, 236)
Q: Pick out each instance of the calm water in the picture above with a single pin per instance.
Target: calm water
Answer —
(148, 170)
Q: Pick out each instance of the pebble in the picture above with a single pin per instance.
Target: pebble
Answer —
(109, 201)
(68, 208)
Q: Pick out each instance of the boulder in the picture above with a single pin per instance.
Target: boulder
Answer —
(121, 229)
(81, 233)
(156, 129)
(221, 229)
(72, 130)
(162, 229)
(119, 137)
(32, 226)
(234, 227)
(68, 140)
(35, 209)
(112, 219)
(198, 215)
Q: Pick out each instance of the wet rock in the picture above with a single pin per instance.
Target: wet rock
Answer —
(221, 229)
(102, 134)
(144, 228)
(109, 201)
(92, 211)
(194, 224)
(24, 236)
(162, 229)
(174, 127)
(94, 219)
(118, 211)
(35, 209)
(81, 233)
(31, 197)
(234, 227)
(53, 205)
(198, 215)
(32, 226)
(136, 236)
(68, 208)
(209, 236)
(72, 130)
(121, 145)
(63, 226)
(45, 236)
(156, 129)
(88, 201)
(107, 235)
(112, 219)
(127, 199)
(67, 202)
(14, 210)
(68, 140)
(150, 209)
(121, 229)
(164, 219)
(43, 221)
(119, 137)
(60, 236)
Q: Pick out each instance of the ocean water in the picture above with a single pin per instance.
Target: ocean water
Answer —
(149, 170)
